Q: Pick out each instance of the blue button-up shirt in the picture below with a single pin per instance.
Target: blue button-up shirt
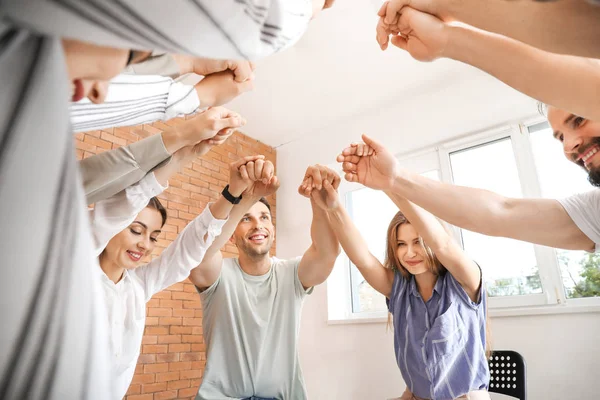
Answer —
(439, 344)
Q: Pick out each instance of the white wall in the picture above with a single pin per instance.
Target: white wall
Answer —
(357, 361)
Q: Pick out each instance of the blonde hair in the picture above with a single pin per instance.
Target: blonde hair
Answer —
(392, 262)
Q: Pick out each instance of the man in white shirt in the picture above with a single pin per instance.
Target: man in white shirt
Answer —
(572, 223)
(251, 305)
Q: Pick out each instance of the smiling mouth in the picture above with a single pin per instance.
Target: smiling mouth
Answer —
(585, 157)
(134, 255)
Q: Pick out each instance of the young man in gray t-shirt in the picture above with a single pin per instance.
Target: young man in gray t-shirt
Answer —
(251, 304)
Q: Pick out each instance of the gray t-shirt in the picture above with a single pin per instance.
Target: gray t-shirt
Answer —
(584, 210)
(250, 326)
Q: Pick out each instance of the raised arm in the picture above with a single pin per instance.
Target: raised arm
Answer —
(317, 262)
(565, 26)
(540, 221)
(566, 82)
(110, 216)
(346, 233)
(262, 183)
(106, 174)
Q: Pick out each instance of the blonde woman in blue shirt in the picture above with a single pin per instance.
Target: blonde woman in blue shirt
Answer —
(433, 289)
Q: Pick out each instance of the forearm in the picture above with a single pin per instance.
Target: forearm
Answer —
(565, 26)
(110, 172)
(324, 239)
(540, 221)
(474, 209)
(350, 238)
(566, 82)
(429, 227)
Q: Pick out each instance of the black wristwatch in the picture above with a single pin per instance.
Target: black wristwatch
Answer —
(229, 197)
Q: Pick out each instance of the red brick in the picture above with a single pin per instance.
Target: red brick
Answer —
(162, 295)
(147, 358)
(168, 357)
(193, 373)
(177, 287)
(178, 206)
(195, 347)
(192, 321)
(181, 330)
(168, 339)
(169, 321)
(183, 313)
(192, 339)
(98, 142)
(157, 330)
(180, 366)
(154, 348)
(151, 321)
(85, 146)
(167, 376)
(190, 356)
(197, 330)
(141, 397)
(192, 304)
(149, 339)
(179, 347)
(182, 384)
(154, 387)
(126, 134)
(160, 312)
(171, 303)
(184, 295)
(144, 378)
(112, 138)
(153, 303)
(189, 287)
(171, 394)
(137, 389)
(154, 368)
(187, 392)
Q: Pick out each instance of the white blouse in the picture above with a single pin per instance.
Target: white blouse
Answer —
(126, 300)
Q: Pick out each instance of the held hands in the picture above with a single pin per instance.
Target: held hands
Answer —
(424, 36)
(208, 124)
(253, 177)
(370, 164)
(199, 149)
(243, 70)
(320, 184)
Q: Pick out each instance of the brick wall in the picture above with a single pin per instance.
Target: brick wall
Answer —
(173, 353)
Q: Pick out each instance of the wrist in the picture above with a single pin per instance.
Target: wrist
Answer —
(172, 140)
(236, 190)
(205, 96)
(455, 42)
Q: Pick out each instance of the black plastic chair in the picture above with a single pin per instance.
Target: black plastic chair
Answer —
(508, 374)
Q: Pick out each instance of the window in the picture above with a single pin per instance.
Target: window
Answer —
(510, 266)
(560, 178)
(521, 278)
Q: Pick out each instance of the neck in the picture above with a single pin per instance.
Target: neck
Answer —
(255, 265)
(112, 270)
(425, 284)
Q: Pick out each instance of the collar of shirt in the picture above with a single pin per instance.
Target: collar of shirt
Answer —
(438, 287)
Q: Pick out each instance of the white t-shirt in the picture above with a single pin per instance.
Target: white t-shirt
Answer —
(584, 210)
(251, 328)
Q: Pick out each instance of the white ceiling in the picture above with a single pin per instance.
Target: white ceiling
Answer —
(334, 74)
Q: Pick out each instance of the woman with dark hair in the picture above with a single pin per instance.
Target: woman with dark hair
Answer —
(126, 228)
(434, 294)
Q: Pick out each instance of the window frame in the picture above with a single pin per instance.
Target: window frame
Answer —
(552, 300)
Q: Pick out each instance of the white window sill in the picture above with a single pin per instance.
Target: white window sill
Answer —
(592, 306)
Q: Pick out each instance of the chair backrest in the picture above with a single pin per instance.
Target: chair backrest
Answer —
(508, 374)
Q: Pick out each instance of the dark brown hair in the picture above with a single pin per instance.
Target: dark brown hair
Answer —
(157, 205)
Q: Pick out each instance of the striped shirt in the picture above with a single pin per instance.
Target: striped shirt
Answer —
(54, 342)
(439, 344)
(135, 100)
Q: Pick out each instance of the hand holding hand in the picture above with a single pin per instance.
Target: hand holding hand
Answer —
(320, 184)
(370, 164)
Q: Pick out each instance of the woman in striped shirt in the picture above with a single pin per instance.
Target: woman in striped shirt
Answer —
(434, 291)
